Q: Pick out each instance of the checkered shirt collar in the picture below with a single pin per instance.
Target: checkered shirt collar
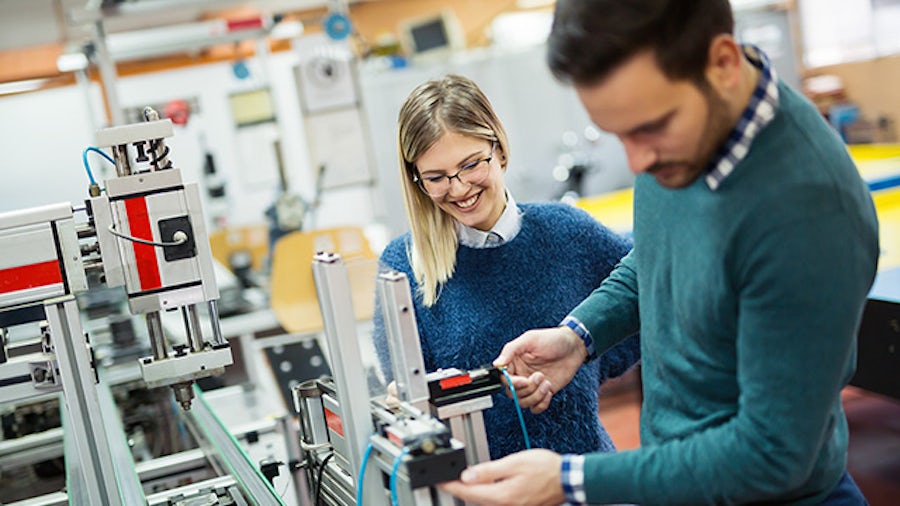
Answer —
(759, 112)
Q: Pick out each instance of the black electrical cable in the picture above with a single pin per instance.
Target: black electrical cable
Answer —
(318, 493)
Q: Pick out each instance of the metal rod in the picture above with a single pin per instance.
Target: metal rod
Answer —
(213, 306)
(108, 75)
(187, 326)
(85, 230)
(196, 335)
(94, 265)
(120, 155)
(336, 305)
(157, 336)
(3, 339)
(161, 154)
(84, 420)
(403, 338)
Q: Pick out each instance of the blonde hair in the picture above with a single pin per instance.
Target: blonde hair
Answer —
(450, 104)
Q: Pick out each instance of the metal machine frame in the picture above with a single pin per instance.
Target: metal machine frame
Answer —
(145, 231)
(406, 444)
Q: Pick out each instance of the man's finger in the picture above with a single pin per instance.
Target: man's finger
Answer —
(544, 403)
(537, 378)
(524, 385)
(478, 494)
(486, 472)
(538, 396)
(508, 353)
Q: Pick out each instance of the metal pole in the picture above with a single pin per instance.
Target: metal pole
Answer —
(403, 339)
(213, 306)
(107, 74)
(120, 156)
(336, 304)
(195, 336)
(86, 423)
(157, 336)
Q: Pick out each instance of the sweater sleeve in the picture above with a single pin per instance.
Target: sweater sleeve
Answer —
(611, 248)
(620, 358)
(801, 287)
(610, 313)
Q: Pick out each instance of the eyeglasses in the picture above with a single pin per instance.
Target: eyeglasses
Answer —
(471, 173)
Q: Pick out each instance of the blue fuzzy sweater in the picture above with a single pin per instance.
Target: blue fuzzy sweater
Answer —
(559, 256)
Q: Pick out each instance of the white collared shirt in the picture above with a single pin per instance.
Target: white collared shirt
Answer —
(506, 228)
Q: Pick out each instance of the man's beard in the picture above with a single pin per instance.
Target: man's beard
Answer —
(715, 132)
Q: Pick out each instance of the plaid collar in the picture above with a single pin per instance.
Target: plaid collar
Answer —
(759, 112)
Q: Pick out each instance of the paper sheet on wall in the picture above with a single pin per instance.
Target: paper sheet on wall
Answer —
(337, 140)
(324, 75)
(256, 149)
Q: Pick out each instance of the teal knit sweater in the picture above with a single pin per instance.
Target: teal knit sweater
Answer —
(748, 300)
(558, 257)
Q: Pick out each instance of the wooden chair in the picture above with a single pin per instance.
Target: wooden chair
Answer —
(293, 291)
(245, 239)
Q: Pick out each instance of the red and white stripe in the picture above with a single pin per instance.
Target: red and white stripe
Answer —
(29, 265)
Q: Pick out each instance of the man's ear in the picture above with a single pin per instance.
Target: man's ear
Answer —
(723, 65)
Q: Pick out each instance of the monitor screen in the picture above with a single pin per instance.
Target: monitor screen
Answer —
(430, 35)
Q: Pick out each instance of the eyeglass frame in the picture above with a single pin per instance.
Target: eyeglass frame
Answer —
(467, 167)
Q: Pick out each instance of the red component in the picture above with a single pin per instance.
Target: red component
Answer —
(455, 381)
(244, 24)
(30, 276)
(178, 110)
(394, 438)
(334, 422)
(144, 254)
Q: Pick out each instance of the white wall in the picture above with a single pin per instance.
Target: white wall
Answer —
(42, 135)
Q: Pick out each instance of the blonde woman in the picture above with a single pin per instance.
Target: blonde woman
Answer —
(483, 269)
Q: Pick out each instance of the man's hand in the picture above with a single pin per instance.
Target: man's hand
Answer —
(391, 399)
(541, 362)
(528, 478)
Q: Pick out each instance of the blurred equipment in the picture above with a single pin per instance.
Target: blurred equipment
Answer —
(878, 345)
(577, 160)
(244, 250)
(178, 110)
(291, 211)
(343, 431)
(144, 231)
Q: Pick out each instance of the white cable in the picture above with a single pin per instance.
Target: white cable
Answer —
(310, 447)
(179, 236)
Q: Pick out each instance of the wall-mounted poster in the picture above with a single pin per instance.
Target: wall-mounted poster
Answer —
(337, 141)
(324, 75)
(252, 107)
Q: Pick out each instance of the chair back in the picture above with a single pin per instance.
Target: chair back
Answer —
(293, 290)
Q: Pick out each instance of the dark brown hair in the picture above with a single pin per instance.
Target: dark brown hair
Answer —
(590, 38)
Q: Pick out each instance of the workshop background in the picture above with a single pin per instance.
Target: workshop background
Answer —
(284, 114)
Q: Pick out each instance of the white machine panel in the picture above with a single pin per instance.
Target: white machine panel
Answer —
(126, 134)
(30, 271)
(34, 244)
